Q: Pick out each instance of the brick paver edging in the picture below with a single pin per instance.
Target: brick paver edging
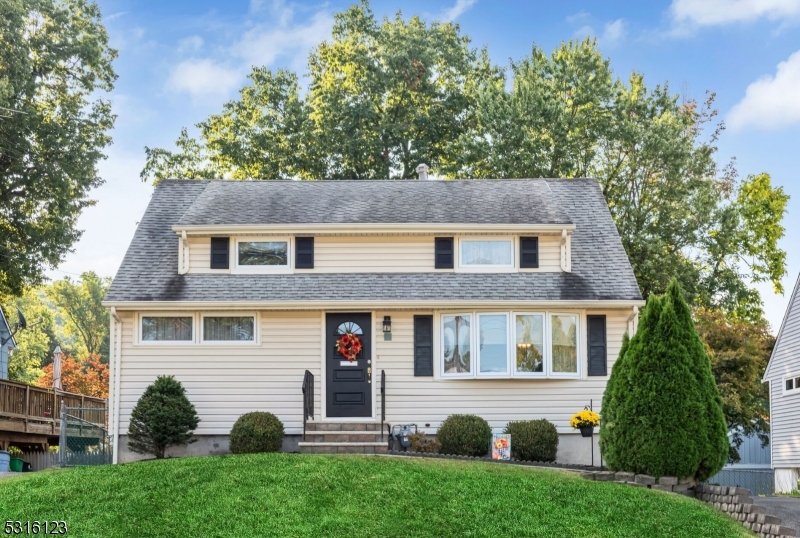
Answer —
(551, 465)
(736, 502)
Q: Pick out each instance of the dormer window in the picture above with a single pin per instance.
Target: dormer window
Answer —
(262, 255)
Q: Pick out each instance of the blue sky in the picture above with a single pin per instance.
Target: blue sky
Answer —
(180, 60)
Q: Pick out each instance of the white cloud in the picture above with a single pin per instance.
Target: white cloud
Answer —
(613, 32)
(459, 8)
(717, 12)
(263, 43)
(771, 102)
(203, 78)
(193, 43)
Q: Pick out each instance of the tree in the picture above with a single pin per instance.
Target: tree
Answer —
(54, 57)
(163, 417)
(89, 376)
(36, 342)
(679, 214)
(739, 351)
(662, 413)
(86, 319)
(383, 98)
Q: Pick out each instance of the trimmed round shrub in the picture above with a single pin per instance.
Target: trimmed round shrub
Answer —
(464, 435)
(533, 440)
(256, 432)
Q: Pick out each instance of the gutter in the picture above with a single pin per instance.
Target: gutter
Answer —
(367, 304)
(334, 229)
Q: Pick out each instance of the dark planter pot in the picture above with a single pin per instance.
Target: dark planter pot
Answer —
(586, 431)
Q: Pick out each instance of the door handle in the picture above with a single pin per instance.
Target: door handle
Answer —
(369, 374)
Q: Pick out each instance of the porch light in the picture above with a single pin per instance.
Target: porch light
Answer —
(387, 324)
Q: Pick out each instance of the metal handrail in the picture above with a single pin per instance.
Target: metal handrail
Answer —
(383, 400)
(308, 399)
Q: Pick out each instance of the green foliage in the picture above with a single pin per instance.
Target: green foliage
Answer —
(54, 59)
(163, 417)
(739, 350)
(662, 412)
(14, 452)
(420, 443)
(311, 495)
(464, 435)
(256, 432)
(87, 320)
(35, 343)
(533, 440)
(384, 96)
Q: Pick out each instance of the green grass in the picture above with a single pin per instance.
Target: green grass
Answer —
(297, 495)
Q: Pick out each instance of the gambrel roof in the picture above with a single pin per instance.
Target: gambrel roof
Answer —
(600, 267)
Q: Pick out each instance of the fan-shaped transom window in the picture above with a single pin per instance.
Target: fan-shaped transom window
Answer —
(349, 327)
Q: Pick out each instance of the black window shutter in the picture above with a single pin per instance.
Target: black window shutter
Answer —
(423, 345)
(597, 345)
(528, 252)
(304, 252)
(220, 252)
(444, 253)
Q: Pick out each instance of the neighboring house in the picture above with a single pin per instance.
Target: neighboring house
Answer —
(783, 376)
(503, 298)
(7, 343)
(753, 471)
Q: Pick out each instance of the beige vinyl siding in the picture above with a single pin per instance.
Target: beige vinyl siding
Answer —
(224, 382)
(785, 409)
(429, 400)
(372, 254)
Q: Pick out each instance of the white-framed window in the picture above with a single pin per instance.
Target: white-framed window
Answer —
(791, 384)
(160, 328)
(228, 328)
(262, 254)
(486, 253)
(510, 344)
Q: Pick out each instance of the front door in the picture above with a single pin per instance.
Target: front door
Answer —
(349, 389)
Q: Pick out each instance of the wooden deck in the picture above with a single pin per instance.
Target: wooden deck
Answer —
(29, 416)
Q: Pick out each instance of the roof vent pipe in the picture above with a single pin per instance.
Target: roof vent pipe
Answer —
(422, 171)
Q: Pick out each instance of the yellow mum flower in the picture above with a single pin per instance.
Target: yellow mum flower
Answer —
(584, 419)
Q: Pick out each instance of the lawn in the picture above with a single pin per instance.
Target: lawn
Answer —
(297, 495)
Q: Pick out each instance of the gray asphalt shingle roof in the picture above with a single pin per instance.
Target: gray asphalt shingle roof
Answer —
(600, 267)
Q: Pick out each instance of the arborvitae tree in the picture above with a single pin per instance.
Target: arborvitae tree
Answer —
(662, 413)
(163, 417)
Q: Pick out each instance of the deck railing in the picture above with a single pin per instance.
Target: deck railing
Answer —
(21, 402)
(308, 399)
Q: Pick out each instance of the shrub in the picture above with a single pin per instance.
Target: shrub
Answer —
(421, 443)
(163, 417)
(256, 432)
(14, 451)
(533, 440)
(464, 435)
(662, 412)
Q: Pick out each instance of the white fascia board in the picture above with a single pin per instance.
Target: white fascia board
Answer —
(353, 305)
(338, 229)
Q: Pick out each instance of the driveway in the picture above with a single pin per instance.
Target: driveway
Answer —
(786, 508)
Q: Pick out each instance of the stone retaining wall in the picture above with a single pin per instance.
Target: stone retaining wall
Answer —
(736, 502)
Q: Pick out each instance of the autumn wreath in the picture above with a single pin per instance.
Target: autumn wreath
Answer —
(349, 345)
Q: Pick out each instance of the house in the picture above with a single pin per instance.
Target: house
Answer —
(503, 298)
(783, 376)
(7, 343)
(753, 471)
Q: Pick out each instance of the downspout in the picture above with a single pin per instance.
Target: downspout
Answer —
(566, 266)
(117, 347)
(632, 321)
(183, 259)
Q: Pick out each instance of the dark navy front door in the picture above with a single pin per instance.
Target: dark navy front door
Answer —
(349, 388)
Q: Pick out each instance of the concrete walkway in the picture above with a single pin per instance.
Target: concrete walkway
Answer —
(7, 475)
(786, 508)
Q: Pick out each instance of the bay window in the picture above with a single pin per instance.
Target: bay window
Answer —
(510, 344)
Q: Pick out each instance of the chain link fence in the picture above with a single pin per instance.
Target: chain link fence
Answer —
(84, 437)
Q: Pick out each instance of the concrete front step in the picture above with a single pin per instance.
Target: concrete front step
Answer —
(313, 426)
(343, 436)
(330, 447)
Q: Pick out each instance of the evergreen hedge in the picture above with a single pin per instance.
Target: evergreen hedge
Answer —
(256, 432)
(533, 440)
(163, 417)
(662, 412)
(465, 435)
